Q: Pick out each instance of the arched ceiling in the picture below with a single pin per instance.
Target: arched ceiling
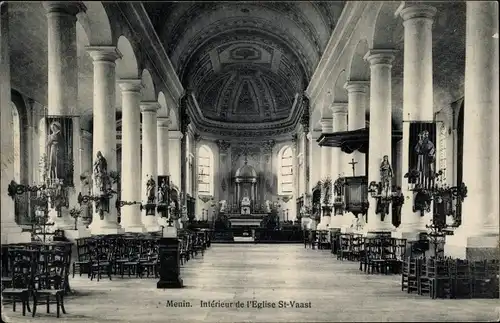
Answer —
(244, 62)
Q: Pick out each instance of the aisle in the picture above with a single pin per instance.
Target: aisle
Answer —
(326, 289)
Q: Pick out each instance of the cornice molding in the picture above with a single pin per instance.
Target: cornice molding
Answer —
(159, 60)
(347, 24)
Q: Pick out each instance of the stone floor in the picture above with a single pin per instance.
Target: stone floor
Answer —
(336, 291)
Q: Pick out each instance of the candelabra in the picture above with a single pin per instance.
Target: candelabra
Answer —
(385, 198)
(438, 192)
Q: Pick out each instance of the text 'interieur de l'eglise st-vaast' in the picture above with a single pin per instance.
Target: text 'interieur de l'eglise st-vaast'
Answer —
(243, 304)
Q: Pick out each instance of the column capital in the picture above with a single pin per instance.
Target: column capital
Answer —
(339, 107)
(357, 86)
(380, 56)
(175, 134)
(67, 7)
(163, 122)
(149, 106)
(130, 85)
(103, 53)
(326, 125)
(418, 11)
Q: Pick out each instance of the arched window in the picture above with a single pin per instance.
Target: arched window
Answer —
(286, 171)
(205, 171)
(16, 133)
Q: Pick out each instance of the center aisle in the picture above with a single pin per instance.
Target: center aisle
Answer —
(323, 289)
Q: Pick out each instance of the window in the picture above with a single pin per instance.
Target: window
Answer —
(16, 133)
(205, 171)
(286, 170)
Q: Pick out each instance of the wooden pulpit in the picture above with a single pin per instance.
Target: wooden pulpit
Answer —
(356, 194)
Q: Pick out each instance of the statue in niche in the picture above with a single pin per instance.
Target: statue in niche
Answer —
(101, 172)
(223, 205)
(162, 192)
(268, 206)
(150, 190)
(386, 175)
(426, 153)
(55, 145)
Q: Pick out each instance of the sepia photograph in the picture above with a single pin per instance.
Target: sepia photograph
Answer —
(249, 161)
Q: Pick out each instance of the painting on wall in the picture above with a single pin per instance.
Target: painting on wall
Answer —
(422, 154)
(59, 149)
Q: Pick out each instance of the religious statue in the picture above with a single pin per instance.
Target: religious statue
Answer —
(55, 144)
(101, 172)
(426, 153)
(150, 190)
(162, 192)
(268, 206)
(223, 205)
(386, 175)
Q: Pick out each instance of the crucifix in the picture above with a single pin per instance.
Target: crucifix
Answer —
(353, 163)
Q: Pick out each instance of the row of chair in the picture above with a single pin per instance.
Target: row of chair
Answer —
(37, 271)
(451, 278)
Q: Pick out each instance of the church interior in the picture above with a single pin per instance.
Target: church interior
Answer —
(249, 161)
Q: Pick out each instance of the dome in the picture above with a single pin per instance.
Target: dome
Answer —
(246, 171)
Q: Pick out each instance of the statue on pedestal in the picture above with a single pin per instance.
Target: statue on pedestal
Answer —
(386, 175)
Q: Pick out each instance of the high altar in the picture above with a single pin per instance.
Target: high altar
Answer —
(246, 186)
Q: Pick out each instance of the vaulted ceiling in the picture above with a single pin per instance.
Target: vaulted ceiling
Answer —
(244, 62)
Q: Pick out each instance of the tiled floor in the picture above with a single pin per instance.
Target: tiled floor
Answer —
(233, 273)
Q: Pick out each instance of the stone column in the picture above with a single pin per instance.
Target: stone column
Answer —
(175, 138)
(357, 92)
(339, 114)
(62, 85)
(149, 158)
(131, 220)
(417, 100)
(104, 129)
(380, 132)
(11, 232)
(162, 125)
(326, 171)
(477, 237)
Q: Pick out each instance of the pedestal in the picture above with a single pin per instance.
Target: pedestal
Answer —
(169, 254)
(463, 245)
(336, 221)
(12, 233)
(79, 233)
(324, 222)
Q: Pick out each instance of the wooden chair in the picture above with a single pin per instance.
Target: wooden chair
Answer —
(52, 282)
(23, 270)
(82, 264)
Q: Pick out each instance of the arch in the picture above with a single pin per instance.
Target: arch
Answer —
(386, 24)
(285, 172)
(148, 90)
(18, 103)
(339, 93)
(95, 22)
(359, 68)
(205, 171)
(126, 66)
(164, 111)
(16, 133)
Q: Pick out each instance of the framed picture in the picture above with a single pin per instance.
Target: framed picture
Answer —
(59, 149)
(422, 153)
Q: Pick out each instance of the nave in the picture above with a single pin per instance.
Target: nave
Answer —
(336, 290)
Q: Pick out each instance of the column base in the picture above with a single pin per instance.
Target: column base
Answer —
(12, 233)
(463, 245)
(72, 235)
(105, 228)
(169, 232)
(136, 228)
(408, 232)
(336, 222)
(324, 223)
